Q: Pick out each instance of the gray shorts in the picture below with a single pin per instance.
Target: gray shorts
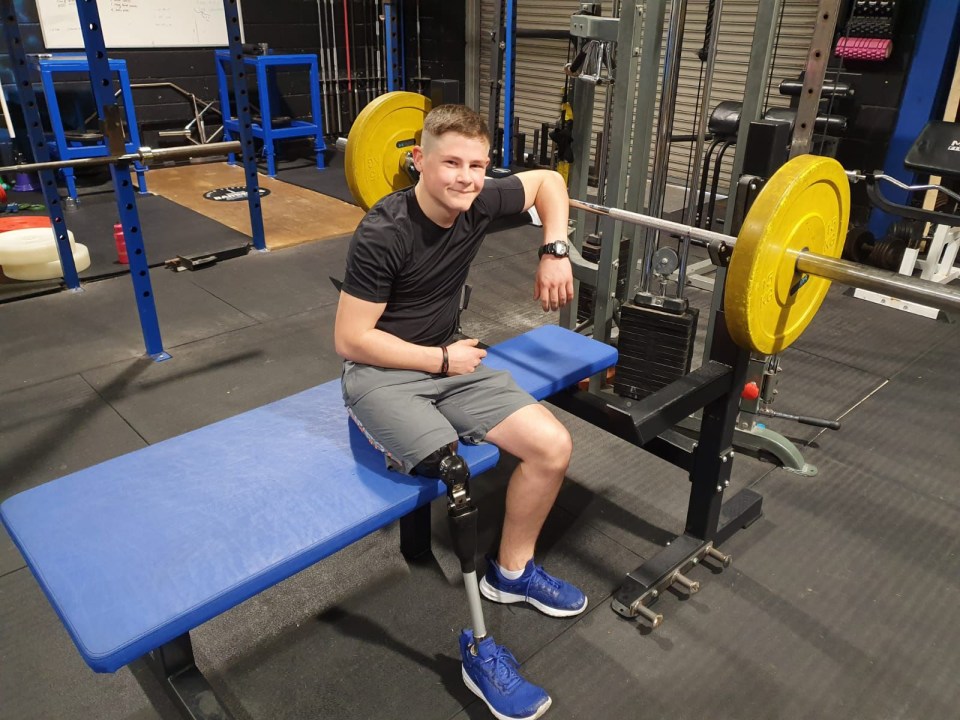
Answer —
(409, 414)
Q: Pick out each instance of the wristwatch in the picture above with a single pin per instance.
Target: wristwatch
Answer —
(557, 248)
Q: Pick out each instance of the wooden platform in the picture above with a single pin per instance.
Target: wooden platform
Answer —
(292, 215)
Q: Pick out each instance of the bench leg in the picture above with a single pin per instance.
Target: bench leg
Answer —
(415, 533)
(174, 684)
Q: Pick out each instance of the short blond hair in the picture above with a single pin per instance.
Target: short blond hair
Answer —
(458, 119)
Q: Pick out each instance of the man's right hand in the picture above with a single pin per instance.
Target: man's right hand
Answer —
(464, 356)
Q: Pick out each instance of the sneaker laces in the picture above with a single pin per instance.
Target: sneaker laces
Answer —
(505, 668)
(547, 579)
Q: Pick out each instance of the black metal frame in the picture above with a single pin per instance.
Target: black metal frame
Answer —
(647, 424)
(173, 683)
(497, 35)
(415, 532)
(905, 211)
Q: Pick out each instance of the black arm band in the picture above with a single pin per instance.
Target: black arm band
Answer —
(446, 361)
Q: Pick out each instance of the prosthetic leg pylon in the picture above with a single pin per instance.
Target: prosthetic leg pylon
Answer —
(453, 471)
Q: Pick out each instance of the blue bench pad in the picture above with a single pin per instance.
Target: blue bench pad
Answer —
(140, 549)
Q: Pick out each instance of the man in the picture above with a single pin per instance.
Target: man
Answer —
(414, 390)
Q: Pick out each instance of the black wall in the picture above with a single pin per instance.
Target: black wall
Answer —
(287, 26)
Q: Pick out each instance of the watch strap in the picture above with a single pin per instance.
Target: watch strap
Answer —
(551, 247)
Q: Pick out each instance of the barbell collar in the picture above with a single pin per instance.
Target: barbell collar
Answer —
(145, 155)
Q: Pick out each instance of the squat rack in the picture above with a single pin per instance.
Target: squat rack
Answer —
(633, 87)
(109, 114)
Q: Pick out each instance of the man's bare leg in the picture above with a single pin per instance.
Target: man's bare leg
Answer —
(543, 446)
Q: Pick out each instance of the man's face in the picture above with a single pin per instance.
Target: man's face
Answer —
(452, 169)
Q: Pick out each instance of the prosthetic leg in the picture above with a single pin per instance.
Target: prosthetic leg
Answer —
(489, 670)
(447, 465)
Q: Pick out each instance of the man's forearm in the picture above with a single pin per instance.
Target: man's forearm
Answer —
(376, 347)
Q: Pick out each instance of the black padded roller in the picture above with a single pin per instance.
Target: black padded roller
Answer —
(793, 88)
(870, 27)
(875, 8)
(823, 123)
(725, 118)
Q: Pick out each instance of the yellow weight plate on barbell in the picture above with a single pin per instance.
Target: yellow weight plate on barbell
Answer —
(381, 136)
(804, 206)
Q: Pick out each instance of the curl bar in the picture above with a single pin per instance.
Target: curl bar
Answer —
(873, 180)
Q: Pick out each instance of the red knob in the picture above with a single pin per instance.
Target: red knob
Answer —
(751, 391)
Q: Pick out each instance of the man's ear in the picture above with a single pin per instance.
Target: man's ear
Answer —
(417, 153)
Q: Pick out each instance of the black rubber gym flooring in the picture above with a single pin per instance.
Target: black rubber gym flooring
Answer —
(329, 181)
(842, 601)
(92, 225)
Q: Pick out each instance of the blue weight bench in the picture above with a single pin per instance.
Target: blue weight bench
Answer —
(136, 551)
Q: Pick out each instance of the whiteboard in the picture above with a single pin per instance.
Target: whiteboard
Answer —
(138, 23)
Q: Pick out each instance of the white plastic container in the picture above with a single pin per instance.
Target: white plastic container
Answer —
(29, 246)
(47, 270)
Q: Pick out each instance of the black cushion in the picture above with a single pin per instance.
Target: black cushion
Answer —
(936, 150)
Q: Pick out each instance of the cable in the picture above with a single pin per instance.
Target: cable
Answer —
(833, 95)
(346, 40)
(773, 61)
(696, 114)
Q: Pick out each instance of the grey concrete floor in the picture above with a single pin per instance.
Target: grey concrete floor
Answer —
(842, 600)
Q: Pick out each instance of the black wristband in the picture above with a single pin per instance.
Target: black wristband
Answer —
(446, 361)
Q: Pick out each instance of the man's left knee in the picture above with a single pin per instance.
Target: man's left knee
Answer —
(554, 444)
(564, 443)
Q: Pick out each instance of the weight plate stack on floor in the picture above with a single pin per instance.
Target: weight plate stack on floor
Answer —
(655, 348)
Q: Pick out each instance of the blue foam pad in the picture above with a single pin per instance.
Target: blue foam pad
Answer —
(548, 359)
(140, 549)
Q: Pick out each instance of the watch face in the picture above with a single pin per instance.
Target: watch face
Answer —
(557, 248)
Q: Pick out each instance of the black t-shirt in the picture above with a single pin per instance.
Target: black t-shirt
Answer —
(400, 257)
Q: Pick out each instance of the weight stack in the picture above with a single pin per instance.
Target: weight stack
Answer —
(655, 348)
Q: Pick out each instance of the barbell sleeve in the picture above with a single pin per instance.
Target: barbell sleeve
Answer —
(890, 283)
(145, 155)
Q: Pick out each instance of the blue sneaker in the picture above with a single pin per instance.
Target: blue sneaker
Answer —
(548, 594)
(491, 672)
